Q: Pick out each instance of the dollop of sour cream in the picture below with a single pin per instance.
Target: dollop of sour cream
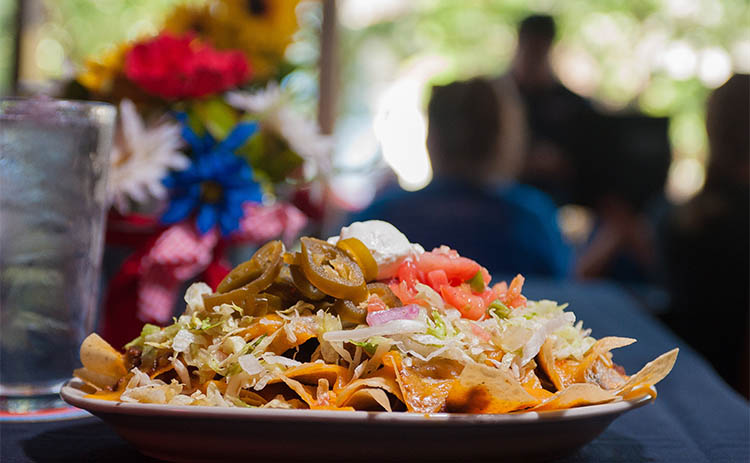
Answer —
(389, 247)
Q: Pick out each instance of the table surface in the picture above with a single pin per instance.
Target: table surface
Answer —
(696, 418)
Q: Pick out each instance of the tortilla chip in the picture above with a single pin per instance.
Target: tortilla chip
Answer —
(97, 380)
(301, 333)
(424, 385)
(640, 391)
(317, 398)
(252, 398)
(221, 386)
(595, 367)
(311, 373)
(103, 366)
(483, 389)
(652, 373)
(280, 401)
(274, 391)
(99, 357)
(299, 389)
(576, 395)
(162, 370)
(266, 325)
(609, 343)
(368, 399)
(556, 371)
(533, 386)
(385, 384)
(388, 383)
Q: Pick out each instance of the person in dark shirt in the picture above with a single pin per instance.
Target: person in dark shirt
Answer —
(509, 228)
(558, 119)
(708, 243)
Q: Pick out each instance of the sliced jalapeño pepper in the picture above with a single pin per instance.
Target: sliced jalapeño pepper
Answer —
(361, 255)
(383, 291)
(303, 285)
(251, 302)
(332, 271)
(257, 273)
(350, 312)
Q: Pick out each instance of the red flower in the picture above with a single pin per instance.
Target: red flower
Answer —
(184, 67)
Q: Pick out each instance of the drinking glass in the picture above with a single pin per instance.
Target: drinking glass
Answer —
(54, 157)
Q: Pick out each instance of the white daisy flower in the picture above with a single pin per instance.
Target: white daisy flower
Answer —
(302, 134)
(141, 157)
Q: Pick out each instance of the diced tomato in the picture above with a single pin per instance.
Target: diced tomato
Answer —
(448, 273)
(458, 269)
(488, 296)
(407, 272)
(519, 301)
(485, 276)
(375, 304)
(437, 279)
(399, 290)
(513, 297)
(470, 305)
(406, 294)
(510, 296)
(500, 289)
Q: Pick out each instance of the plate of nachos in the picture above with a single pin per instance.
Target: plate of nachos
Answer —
(363, 345)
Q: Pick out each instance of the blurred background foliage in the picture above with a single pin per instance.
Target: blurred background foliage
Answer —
(659, 57)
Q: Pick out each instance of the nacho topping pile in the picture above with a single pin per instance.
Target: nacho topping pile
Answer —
(317, 329)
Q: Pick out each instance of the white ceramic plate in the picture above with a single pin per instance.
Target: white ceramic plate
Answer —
(192, 433)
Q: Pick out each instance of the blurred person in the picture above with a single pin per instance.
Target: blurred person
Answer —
(624, 186)
(510, 228)
(708, 243)
(558, 119)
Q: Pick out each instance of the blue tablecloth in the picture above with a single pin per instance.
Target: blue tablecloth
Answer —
(696, 418)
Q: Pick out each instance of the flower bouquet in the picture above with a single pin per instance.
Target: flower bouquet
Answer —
(209, 152)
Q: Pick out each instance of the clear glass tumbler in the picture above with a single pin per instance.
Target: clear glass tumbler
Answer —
(54, 157)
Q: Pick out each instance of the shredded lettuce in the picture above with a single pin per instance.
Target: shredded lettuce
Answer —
(148, 329)
(361, 333)
(498, 310)
(215, 341)
(430, 296)
(438, 327)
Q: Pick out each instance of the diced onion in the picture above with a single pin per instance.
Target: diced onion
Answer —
(409, 312)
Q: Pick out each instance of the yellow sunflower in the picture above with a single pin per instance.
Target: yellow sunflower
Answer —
(100, 73)
(260, 28)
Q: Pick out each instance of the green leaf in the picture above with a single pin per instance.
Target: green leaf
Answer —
(270, 156)
(216, 116)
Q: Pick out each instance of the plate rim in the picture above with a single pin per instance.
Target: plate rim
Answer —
(72, 393)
